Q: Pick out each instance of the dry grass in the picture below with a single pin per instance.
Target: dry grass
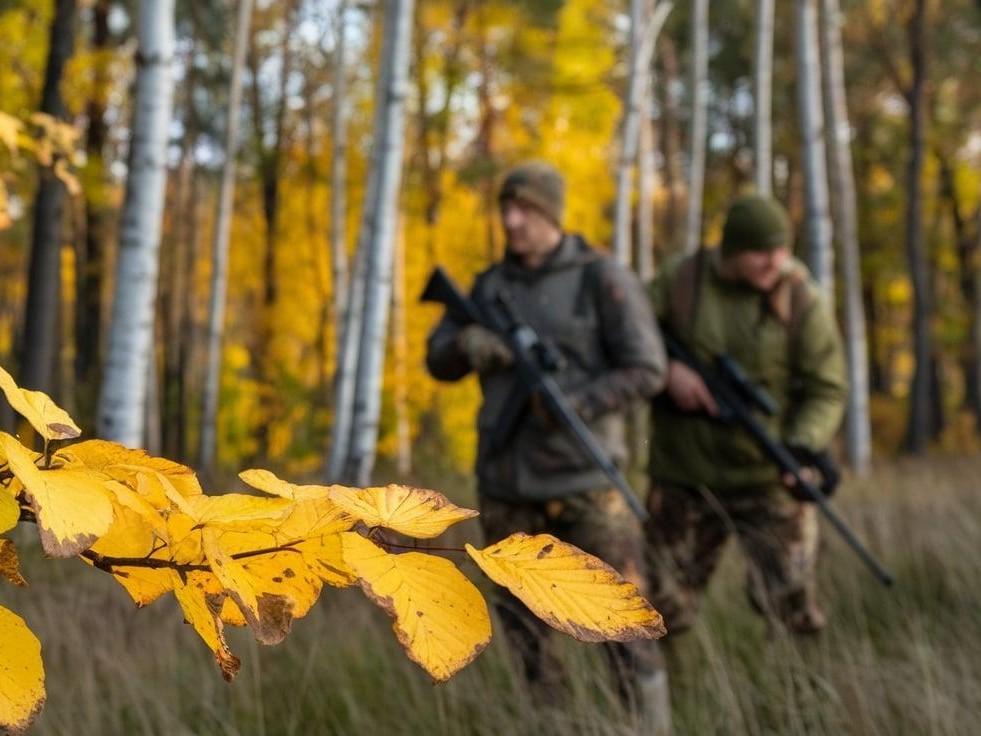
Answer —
(906, 661)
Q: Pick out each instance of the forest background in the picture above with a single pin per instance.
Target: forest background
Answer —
(490, 83)
(487, 84)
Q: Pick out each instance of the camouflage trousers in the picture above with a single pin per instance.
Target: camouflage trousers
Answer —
(601, 524)
(778, 534)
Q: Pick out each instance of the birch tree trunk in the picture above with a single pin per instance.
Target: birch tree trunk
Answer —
(123, 397)
(699, 123)
(629, 130)
(219, 246)
(644, 27)
(763, 96)
(647, 182)
(857, 430)
(817, 218)
(338, 178)
(387, 160)
(40, 339)
(671, 142)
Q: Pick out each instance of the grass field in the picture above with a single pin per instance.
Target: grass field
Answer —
(905, 661)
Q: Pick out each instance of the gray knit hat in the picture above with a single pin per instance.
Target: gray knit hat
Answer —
(755, 222)
(539, 184)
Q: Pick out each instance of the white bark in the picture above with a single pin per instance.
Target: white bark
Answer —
(338, 177)
(699, 123)
(857, 430)
(123, 399)
(647, 182)
(763, 95)
(817, 215)
(387, 160)
(223, 221)
(643, 35)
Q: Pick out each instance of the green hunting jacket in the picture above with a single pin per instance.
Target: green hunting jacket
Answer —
(787, 341)
(596, 314)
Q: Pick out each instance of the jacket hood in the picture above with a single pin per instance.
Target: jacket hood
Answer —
(572, 251)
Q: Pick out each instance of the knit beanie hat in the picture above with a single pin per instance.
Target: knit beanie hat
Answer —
(755, 222)
(539, 184)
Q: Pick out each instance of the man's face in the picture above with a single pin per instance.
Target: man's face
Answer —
(529, 233)
(760, 269)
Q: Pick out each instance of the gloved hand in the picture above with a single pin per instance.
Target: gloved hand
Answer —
(818, 468)
(486, 351)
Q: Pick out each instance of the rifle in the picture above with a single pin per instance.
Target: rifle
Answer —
(736, 396)
(533, 360)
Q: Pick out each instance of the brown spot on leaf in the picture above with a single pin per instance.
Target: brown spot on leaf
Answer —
(288, 573)
(544, 551)
(63, 431)
(275, 618)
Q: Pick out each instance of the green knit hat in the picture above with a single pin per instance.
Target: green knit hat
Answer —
(755, 222)
(539, 184)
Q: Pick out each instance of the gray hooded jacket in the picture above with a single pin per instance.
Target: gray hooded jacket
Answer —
(597, 315)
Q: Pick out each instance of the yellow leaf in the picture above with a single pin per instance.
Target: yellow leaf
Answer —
(124, 464)
(312, 529)
(21, 674)
(267, 482)
(202, 607)
(132, 535)
(269, 599)
(239, 511)
(441, 619)
(9, 564)
(72, 506)
(411, 511)
(9, 511)
(50, 420)
(324, 555)
(10, 128)
(572, 591)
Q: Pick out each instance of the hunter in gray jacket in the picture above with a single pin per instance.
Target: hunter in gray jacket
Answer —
(538, 480)
(598, 317)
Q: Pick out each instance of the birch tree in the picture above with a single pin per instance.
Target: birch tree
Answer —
(817, 214)
(40, 338)
(357, 402)
(644, 27)
(699, 123)
(219, 246)
(123, 397)
(387, 160)
(763, 97)
(858, 433)
(647, 182)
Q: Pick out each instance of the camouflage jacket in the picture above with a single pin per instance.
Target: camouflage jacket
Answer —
(786, 340)
(597, 316)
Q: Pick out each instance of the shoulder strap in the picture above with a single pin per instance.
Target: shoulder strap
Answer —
(790, 300)
(589, 287)
(685, 291)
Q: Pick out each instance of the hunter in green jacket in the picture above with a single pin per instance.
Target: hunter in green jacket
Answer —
(751, 300)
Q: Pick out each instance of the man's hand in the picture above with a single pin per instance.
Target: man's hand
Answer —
(688, 391)
(485, 350)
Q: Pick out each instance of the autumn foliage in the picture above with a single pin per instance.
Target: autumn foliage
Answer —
(262, 560)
